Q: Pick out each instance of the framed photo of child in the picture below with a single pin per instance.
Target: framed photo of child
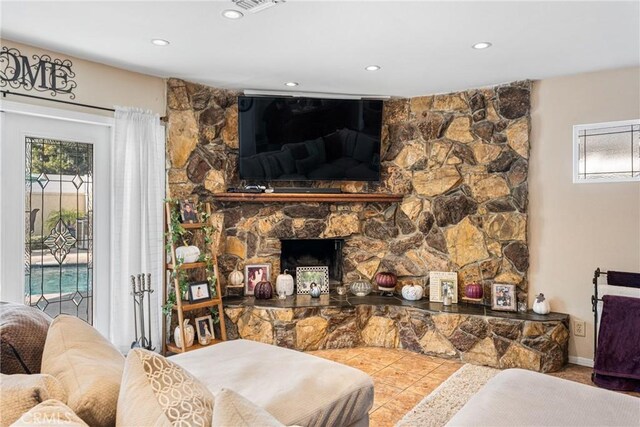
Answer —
(188, 212)
(441, 283)
(305, 276)
(254, 274)
(204, 329)
(503, 297)
(199, 291)
(449, 287)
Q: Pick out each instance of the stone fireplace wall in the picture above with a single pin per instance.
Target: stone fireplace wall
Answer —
(537, 345)
(460, 159)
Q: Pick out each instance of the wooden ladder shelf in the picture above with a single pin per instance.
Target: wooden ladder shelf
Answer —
(182, 307)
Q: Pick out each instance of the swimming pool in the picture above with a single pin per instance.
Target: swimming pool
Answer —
(64, 279)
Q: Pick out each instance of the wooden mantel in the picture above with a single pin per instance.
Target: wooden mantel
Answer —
(308, 197)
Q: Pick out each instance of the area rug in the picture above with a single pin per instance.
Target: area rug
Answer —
(441, 404)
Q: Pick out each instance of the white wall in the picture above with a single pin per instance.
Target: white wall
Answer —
(575, 228)
(98, 84)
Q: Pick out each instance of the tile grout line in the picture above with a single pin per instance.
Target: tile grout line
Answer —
(389, 404)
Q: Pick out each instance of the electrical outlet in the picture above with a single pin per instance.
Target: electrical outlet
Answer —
(579, 328)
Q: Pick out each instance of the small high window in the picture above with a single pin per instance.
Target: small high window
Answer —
(606, 152)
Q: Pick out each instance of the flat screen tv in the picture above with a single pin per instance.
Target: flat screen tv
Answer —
(309, 139)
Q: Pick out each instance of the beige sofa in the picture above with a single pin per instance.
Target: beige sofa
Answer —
(516, 397)
(103, 388)
(296, 388)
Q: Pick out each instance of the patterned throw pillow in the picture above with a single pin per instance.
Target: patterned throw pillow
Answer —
(232, 409)
(156, 391)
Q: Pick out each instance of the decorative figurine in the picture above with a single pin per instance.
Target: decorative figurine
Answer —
(473, 291)
(236, 278)
(412, 292)
(284, 281)
(263, 290)
(187, 254)
(360, 287)
(541, 305)
(314, 290)
(189, 334)
(386, 282)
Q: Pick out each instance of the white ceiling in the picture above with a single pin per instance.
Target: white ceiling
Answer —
(423, 47)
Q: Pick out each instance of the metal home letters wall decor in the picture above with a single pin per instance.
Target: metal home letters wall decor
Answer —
(40, 73)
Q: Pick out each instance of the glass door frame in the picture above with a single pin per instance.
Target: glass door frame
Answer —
(12, 287)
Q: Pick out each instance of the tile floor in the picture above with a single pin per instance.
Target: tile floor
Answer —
(403, 378)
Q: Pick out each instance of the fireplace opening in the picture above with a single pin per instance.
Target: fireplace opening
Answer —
(312, 253)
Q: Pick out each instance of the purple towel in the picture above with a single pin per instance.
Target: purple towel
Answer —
(617, 365)
(619, 278)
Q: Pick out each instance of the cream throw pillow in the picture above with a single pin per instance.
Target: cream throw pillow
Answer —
(157, 392)
(21, 392)
(50, 413)
(88, 366)
(232, 409)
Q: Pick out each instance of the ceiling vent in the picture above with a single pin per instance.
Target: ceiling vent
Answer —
(255, 6)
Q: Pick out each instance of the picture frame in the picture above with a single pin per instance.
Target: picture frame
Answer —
(188, 212)
(503, 297)
(204, 329)
(436, 279)
(254, 274)
(449, 286)
(307, 275)
(199, 291)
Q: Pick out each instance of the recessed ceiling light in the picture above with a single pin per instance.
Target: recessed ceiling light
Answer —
(232, 14)
(159, 42)
(372, 67)
(291, 84)
(481, 45)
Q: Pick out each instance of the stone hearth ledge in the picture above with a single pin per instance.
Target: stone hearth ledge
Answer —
(466, 332)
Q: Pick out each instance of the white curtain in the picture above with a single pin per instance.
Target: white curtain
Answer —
(137, 172)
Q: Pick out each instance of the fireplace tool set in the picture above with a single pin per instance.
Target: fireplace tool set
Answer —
(138, 291)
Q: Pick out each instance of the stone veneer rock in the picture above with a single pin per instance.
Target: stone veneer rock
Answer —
(460, 159)
(482, 340)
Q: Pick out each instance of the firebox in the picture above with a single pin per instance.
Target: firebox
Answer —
(313, 252)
